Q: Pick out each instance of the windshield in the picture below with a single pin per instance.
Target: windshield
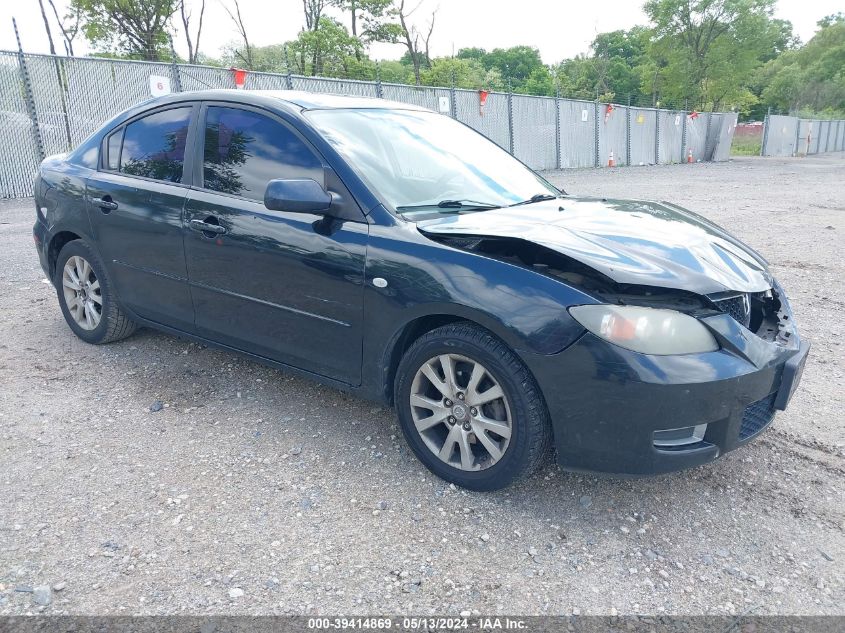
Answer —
(424, 164)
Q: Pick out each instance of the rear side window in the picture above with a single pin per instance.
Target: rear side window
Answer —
(245, 150)
(154, 146)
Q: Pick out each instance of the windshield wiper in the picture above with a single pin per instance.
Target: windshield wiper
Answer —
(462, 204)
(451, 204)
(537, 197)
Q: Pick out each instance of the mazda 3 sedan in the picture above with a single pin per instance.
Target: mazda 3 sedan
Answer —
(393, 252)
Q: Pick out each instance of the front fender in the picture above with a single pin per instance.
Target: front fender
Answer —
(524, 308)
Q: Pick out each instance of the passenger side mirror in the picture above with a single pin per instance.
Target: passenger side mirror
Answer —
(301, 195)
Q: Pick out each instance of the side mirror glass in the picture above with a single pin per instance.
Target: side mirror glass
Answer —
(301, 195)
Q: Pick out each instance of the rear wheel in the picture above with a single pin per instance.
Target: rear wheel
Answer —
(86, 296)
(470, 409)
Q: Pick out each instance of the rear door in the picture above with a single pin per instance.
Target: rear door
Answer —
(286, 286)
(135, 204)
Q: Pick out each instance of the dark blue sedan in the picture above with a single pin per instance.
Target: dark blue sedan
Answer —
(393, 252)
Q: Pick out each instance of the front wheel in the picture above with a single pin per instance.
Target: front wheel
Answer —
(470, 409)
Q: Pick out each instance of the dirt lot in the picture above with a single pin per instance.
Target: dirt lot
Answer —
(251, 491)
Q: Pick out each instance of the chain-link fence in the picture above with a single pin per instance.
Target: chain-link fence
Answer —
(791, 136)
(49, 104)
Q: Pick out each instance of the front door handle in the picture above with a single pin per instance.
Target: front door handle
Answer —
(206, 227)
(105, 204)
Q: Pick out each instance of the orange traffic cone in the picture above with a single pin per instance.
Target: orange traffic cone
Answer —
(611, 162)
(689, 156)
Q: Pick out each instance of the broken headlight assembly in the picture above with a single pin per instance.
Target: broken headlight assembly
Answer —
(646, 330)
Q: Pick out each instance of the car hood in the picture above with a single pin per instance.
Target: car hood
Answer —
(629, 241)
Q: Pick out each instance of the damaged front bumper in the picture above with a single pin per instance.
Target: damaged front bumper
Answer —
(616, 411)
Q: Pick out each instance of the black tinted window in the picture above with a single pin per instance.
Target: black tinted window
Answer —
(113, 150)
(245, 150)
(154, 147)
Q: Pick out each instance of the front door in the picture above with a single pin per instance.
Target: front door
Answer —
(135, 204)
(286, 286)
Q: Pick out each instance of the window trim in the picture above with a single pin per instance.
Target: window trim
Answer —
(199, 145)
(187, 160)
(105, 152)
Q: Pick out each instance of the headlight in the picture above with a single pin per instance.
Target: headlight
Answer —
(646, 330)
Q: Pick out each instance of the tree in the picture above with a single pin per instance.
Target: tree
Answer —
(47, 27)
(245, 54)
(415, 41)
(619, 57)
(371, 20)
(70, 25)
(811, 78)
(462, 73)
(707, 50)
(540, 82)
(395, 72)
(266, 59)
(136, 28)
(515, 64)
(313, 12)
(193, 45)
(329, 48)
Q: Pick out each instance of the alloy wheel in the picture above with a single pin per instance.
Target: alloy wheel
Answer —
(82, 293)
(461, 412)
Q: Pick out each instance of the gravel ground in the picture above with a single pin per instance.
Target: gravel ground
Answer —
(156, 476)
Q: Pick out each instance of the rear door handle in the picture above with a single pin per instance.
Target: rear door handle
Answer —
(206, 227)
(105, 204)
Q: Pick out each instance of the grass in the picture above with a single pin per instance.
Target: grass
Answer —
(746, 146)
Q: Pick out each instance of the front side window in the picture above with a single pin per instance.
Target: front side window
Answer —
(154, 146)
(245, 150)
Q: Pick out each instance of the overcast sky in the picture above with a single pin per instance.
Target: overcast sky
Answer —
(559, 28)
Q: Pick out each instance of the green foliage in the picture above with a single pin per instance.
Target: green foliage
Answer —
(515, 65)
(372, 20)
(396, 72)
(134, 29)
(706, 51)
(268, 59)
(465, 73)
(813, 77)
(746, 145)
(324, 51)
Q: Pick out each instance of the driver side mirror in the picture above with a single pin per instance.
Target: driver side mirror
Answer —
(301, 195)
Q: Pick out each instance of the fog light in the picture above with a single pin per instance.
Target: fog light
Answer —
(673, 438)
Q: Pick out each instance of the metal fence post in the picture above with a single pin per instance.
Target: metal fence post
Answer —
(628, 133)
(288, 78)
(827, 140)
(453, 112)
(763, 145)
(707, 155)
(557, 127)
(797, 136)
(29, 98)
(510, 119)
(684, 131)
(597, 162)
(379, 89)
(657, 136)
(174, 68)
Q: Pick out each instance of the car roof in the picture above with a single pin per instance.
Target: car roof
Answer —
(298, 98)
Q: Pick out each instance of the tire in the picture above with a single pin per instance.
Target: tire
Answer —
(463, 346)
(110, 323)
